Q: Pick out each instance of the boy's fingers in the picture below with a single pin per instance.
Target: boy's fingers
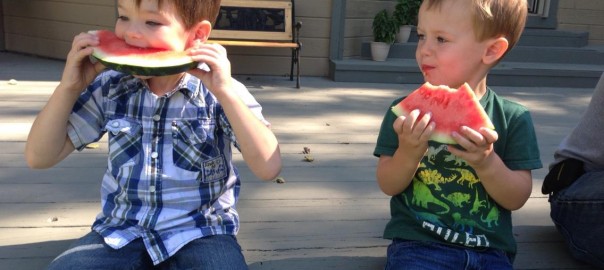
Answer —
(398, 124)
(477, 137)
(98, 67)
(410, 120)
(490, 136)
(428, 131)
(424, 121)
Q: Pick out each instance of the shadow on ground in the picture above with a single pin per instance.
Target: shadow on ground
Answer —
(38, 255)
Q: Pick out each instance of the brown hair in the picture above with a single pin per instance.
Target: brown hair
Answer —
(193, 11)
(495, 18)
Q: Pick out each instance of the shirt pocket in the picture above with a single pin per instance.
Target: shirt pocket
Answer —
(196, 149)
(125, 145)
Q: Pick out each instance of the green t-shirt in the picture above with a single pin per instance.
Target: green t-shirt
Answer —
(446, 201)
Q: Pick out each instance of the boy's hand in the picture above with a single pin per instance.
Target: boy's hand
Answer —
(79, 71)
(413, 133)
(478, 145)
(218, 79)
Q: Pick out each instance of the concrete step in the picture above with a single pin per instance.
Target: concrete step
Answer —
(398, 70)
(543, 38)
(588, 55)
(543, 57)
(553, 38)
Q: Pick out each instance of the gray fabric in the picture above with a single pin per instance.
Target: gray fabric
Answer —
(585, 142)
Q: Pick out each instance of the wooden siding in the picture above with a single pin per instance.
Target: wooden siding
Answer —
(47, 27)
(359, 17)
(573, 15)
(315, 16)
(583, 15)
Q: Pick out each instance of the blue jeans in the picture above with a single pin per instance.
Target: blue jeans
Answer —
(90, 252)
(415, 255)
(578, 212)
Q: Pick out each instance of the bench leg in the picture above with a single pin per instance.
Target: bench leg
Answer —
(291, 72)
(295, 61)
(298, 68)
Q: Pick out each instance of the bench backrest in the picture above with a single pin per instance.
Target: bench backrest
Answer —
(255, 20)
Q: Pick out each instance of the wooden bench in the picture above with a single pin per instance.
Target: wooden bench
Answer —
(251, 23)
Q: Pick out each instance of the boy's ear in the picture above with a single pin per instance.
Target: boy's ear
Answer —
(201, 31)
(496, 48)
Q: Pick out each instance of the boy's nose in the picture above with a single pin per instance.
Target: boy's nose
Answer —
(423, 48)
(133, 33)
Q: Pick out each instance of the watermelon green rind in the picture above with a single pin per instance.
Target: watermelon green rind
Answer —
(450, 109)
(121, 66)
(399, 110)
(442, 138)
(140, 61)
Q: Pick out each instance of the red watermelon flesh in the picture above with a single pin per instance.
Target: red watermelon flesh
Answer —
(116, 54)
(450, 108)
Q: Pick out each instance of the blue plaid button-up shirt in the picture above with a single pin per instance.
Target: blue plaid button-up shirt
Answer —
(169, 178)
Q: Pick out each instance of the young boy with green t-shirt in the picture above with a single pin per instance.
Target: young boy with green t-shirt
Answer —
(451, 205)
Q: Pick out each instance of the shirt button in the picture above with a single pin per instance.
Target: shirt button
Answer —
(154, 155)
(115, 124)
(152, 189)
(156, 117)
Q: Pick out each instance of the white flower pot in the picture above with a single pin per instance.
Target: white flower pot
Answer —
(402, 36)
(379, 51)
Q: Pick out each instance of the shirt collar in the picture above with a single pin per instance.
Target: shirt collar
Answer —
(188, 84)
(486, 97)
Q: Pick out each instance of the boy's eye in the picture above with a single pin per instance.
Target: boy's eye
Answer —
(421, 36)
(122, 18)
(152, 23)
(441, 40)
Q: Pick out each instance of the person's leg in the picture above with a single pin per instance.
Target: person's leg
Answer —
(578, 212)
(212, 252)
(491, 259)
(90, 252)
(416, 255)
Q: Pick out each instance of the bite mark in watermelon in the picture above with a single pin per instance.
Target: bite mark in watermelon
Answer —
(116, 54)
(450, 108)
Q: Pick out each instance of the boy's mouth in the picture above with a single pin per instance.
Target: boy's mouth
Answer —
(426, 68)
(137, 45)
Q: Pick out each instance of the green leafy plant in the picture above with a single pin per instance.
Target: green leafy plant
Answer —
(405, 12)
(384, 27)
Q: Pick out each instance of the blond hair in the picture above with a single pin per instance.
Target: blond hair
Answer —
(494, 18)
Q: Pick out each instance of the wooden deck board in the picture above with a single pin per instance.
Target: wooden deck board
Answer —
(329, 214)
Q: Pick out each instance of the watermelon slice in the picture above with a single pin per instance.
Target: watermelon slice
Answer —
(116, 54)
(451, 108)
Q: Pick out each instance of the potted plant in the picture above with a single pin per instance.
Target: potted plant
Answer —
(384, 34)
(405, 16)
